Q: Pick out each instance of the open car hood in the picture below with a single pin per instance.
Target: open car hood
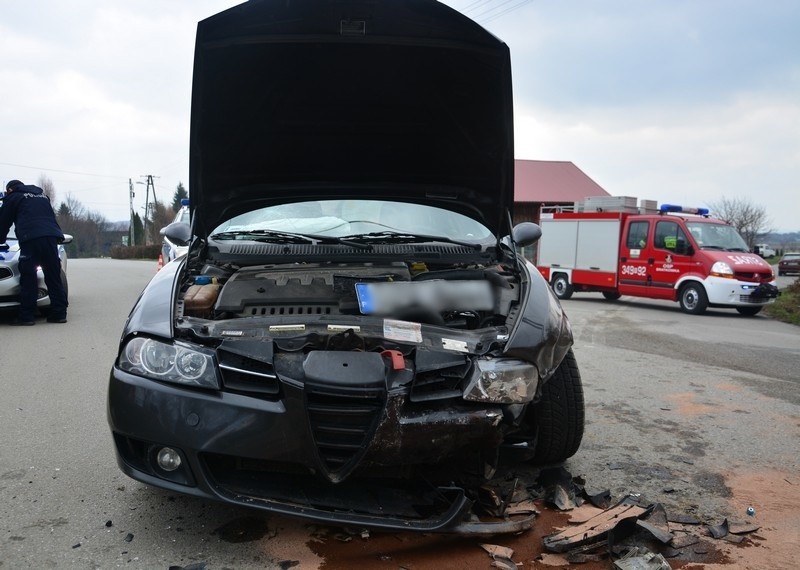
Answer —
(316, 99)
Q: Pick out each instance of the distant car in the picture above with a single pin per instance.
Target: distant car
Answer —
(9, 274)
(764, 250)
(169, 249)
(789, 263)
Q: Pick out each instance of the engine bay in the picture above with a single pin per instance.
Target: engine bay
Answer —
(456, 296)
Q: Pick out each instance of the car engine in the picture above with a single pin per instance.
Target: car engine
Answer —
(465, 297)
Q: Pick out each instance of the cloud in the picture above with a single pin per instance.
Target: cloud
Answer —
(674, 100)
(747, 148)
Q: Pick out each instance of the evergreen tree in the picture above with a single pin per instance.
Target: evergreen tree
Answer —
(138, 229)
(180, 193)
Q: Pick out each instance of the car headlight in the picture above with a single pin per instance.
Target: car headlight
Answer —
(502, 381)
(722, 269)
(177, 362)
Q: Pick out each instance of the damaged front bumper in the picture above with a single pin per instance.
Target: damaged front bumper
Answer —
(274, 453)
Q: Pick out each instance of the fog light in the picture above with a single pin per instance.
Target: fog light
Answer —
(168, 459)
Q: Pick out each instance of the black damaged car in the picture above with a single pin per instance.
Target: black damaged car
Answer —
(352, 337)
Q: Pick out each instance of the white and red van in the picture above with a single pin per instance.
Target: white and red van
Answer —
(674, 253)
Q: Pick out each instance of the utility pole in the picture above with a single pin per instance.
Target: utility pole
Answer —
(132, 230)
(149, 183)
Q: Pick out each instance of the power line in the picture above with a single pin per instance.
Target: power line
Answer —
(62, 171)
(492, 9)
(474, 6)
(506, 11)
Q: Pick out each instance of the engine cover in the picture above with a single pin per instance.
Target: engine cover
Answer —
(318, 288)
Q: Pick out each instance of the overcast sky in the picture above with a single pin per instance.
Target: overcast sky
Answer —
(672, 100)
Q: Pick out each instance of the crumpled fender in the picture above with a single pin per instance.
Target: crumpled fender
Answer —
(542, 334)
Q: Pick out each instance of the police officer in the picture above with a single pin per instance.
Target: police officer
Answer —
(38, 233)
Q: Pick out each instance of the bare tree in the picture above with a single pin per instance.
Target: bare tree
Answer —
(749, 219)
(88, 228)
(49, 188)
(161, 215)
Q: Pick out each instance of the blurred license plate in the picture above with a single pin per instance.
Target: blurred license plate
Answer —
(437, 295)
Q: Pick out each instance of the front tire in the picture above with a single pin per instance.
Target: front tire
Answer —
(611, 296)
(749, 311)
(693, 298)
(559, 416)
(561, 286)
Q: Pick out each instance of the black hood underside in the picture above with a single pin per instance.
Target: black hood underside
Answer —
(314, 99)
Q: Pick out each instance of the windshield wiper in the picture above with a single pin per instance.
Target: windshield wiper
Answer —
(286, 237)
(263, 235)
(404, 237)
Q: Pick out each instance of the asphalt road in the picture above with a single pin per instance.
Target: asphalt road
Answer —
(699, 413)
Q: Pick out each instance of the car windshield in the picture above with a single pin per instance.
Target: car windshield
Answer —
(709, 235)
(359, 220)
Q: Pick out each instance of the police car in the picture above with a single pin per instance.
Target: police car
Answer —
(9, 274)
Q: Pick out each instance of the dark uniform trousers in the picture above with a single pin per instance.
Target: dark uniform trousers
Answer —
(42, 252)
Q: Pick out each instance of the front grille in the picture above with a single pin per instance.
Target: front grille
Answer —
(752, 299)
(342, 423)
(439, 384)
(753, 277)
(243, 374)
(5, 273)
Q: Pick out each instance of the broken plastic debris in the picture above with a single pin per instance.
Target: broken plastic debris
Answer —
(601, 499)
(522, 507)
(497, 550)
(655, 522)
(595, 528)
(720, 530)
(639, 558)
(501, 556)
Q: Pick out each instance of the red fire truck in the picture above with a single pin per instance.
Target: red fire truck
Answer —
(671, 252)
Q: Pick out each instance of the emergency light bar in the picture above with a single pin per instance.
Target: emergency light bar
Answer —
(184, 201)
(665, 208)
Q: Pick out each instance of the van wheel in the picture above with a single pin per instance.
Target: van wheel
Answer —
(561, 286)
(612, 296)
(749, 311)
(559, 416)
(693, 298)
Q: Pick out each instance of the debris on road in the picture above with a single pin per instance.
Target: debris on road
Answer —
(501, 556)
(641, 559)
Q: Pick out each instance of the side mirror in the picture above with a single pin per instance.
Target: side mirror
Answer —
(67, 239)
(683, 248)
(177, 232)
(526, 233)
